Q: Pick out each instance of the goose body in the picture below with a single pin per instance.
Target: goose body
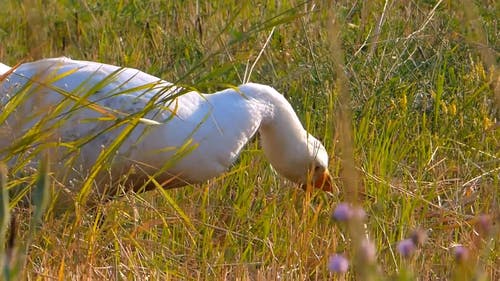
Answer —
(181, 137)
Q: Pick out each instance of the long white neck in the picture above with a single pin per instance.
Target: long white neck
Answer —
(284, 139)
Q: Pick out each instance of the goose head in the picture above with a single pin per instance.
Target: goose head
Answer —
(291, 150)
(304, 162)
(308, 167)
(317, 173)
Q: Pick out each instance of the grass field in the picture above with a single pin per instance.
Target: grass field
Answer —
(404, 94)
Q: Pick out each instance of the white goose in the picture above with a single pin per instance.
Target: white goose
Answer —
(183, 138)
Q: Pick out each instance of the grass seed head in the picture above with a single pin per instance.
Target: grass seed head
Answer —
(359, 213)
(418, 236)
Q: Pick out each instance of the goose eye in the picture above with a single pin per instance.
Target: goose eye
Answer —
(317, 168)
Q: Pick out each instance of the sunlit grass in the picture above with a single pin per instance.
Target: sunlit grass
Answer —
(421, 85)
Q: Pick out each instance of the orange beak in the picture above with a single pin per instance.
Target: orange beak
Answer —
(324, 182)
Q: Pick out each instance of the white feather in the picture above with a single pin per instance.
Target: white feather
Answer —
(215, 127)
(3, 68)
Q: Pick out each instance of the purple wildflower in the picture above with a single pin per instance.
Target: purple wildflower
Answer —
(343, 212)
(484, 224)
(338, 264)
(461, 254)
(367, 251)
(406, 248)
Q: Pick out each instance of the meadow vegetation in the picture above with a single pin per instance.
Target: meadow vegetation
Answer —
(404, 94)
